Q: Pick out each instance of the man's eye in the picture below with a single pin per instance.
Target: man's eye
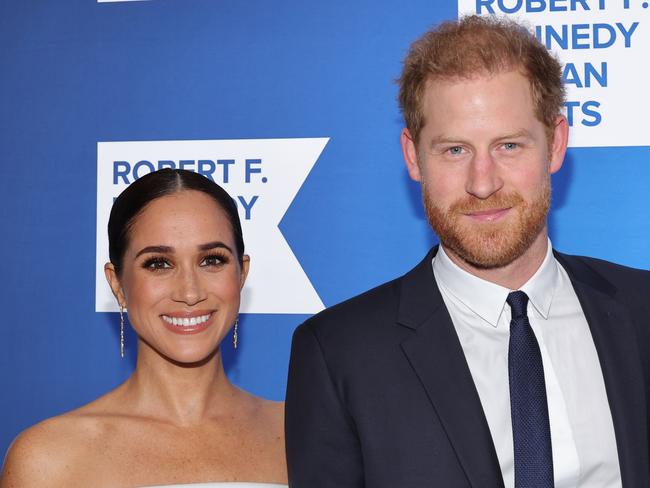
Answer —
(510, 145)
(456, 150)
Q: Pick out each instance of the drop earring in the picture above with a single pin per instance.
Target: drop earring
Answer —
(234, 333)
(121, 331)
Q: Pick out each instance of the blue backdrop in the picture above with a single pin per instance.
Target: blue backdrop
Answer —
(76, 72)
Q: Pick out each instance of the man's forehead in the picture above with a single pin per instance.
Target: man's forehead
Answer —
(472, 76)
(505, 86)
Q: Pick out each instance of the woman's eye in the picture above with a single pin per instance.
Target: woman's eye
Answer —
(213, 260)
(156, 264)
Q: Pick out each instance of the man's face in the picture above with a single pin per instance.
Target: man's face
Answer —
(484, 161)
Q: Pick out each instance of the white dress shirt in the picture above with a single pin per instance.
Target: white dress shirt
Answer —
(582, 432)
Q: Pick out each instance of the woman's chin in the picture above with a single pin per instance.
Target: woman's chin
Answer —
(190, 356)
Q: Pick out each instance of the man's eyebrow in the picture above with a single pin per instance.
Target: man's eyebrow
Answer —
(459, 140)
(169, 249)
(446, 140)
(515, 135)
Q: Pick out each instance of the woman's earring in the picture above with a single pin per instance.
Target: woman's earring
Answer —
(234, 333)
(121, 331)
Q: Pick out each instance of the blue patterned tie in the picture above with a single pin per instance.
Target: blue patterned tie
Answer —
(531, 432)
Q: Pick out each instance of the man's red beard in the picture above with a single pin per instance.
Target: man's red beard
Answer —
(489, 245)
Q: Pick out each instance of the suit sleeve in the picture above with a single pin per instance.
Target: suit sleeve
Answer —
(323, 449)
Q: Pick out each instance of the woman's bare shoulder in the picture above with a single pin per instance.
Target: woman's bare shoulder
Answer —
(261, 408)
(51, 452)
(266, 420)
(274, 412)
(272, 420)
(41, 455)
(264, 423)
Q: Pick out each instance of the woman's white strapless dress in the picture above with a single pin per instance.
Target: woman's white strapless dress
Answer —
(221, 485)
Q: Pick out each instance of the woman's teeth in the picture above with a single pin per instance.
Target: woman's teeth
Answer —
(186, 321)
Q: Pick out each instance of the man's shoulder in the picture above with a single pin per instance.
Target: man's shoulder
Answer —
(609, 270)
(377, 304)
(371, 320)
(629, 281)
(374, 308)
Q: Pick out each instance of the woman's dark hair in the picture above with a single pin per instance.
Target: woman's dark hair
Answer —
(157, 184)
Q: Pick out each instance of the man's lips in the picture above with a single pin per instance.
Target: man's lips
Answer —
(488, 215)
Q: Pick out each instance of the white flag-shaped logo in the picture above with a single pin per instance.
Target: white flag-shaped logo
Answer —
(262, 175)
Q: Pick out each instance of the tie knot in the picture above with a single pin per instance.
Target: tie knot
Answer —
(518, 302)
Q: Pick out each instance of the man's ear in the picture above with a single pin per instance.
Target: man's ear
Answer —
(114, 282)
(410, 153)
(559, 144)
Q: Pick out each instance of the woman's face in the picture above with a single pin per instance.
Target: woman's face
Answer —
(181, 278)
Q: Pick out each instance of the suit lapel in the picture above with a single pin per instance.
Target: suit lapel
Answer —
(435, 353)
(616, 343)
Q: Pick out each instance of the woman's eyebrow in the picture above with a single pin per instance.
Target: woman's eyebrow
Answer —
(214, 245)
(155, 249)
(170, 249)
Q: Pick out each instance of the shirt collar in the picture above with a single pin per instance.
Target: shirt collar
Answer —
(541, 287)
(487, 299)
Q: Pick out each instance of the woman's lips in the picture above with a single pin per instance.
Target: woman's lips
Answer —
(489, 215)
(187, 323)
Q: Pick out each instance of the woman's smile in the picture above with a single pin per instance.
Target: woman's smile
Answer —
(187, 323)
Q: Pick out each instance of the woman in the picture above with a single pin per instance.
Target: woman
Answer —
(177, 264)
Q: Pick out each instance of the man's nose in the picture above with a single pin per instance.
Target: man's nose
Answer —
(483, 178)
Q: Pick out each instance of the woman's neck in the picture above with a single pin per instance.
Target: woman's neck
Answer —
(179, 393)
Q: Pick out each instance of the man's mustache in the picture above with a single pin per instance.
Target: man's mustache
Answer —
(471, 204)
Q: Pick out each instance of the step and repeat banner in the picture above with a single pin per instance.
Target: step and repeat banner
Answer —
(291, 106)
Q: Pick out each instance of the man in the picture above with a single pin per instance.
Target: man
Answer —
(496, 361)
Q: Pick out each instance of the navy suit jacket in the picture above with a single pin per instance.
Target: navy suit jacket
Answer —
(380, 394)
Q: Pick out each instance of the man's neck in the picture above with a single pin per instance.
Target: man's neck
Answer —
(515, 274)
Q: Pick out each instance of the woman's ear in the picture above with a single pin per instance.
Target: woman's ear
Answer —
(245, 265)
(114, 282)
